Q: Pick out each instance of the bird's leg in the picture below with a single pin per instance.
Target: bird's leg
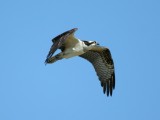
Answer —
(55, 58)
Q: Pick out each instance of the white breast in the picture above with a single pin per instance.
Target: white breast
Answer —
(75, 50)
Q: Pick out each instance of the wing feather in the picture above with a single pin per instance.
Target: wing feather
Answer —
(58, 42)
(104, 67)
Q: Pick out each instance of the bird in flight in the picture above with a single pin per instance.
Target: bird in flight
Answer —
(99, 56)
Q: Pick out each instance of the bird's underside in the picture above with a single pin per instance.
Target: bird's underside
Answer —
(99, 56)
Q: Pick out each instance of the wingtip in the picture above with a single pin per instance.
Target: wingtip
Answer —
(107, 89)
(113, 79)
(46, 62)
(75, 29)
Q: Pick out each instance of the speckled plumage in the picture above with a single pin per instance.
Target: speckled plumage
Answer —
(99, 56)
(104, 67)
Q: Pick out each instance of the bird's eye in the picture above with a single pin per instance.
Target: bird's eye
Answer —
(94, 42)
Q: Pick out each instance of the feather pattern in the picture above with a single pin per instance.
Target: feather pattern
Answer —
(104, 67)
(58, 43)
(99, 56)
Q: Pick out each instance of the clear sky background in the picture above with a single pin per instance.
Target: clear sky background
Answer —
(69, 89)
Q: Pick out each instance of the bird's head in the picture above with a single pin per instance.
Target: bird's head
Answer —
(90, 43)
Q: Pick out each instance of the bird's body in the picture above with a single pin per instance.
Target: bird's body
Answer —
(99, 56)
(73, 49)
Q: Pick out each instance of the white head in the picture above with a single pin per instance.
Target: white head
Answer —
(90, 43)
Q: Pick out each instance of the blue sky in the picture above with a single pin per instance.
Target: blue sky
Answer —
(69, 89)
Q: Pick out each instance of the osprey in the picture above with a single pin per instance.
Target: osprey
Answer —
(99, 56)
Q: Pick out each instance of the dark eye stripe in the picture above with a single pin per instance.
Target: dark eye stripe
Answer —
(88, 43)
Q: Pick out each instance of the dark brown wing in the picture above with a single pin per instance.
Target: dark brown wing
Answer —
(104, 67)
(58, 42)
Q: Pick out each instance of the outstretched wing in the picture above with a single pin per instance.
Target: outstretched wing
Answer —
(104, 67)
(58, 42)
